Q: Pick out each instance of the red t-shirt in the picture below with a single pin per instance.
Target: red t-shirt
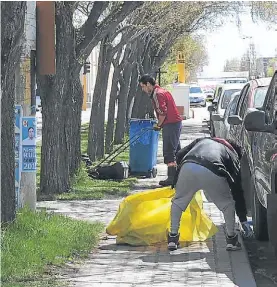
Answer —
(164, 105)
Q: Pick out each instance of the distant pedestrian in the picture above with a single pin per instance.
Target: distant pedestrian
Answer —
(212, 165)
(169, 120)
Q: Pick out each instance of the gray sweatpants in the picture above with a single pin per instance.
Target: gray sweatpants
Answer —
(193, 177)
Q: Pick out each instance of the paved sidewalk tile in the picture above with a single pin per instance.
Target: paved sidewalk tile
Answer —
(202, 264)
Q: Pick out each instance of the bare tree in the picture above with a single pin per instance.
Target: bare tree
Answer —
(184, 19)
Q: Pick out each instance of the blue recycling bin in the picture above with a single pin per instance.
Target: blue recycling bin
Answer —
(143, 147)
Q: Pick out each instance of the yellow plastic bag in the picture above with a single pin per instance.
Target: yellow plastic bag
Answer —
(143, 219)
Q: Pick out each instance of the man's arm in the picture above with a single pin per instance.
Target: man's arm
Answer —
(161, 120)
(161, 107)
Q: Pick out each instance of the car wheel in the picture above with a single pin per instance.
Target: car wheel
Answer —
(271, 219)
(259, 217)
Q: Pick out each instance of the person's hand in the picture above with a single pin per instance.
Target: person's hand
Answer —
(156, 128)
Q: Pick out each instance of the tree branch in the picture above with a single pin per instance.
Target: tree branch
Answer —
(109, 24)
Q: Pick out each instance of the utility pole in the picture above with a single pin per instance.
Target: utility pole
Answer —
(159, 72)
(251, 55)
(26, 98)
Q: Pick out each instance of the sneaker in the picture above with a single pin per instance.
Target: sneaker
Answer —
(173, 241)
(246, 230)
(233, 243)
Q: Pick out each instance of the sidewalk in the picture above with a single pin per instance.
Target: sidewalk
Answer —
(202, 264)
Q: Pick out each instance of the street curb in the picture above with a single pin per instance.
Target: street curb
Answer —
(242, 271)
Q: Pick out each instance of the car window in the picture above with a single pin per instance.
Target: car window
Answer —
(194, 90)
(271, 100)
(259, 97)
(219, 91)
(242, 97)
(227, 96)
(231, 108)
(241, 81)
(233, 105)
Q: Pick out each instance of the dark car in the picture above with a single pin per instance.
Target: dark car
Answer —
(257, 138)
(251, 96)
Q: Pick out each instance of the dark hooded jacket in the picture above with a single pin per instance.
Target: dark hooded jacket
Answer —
(215, 154)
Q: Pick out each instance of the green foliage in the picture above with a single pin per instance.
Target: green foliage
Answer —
(35, 241)
(271, 67)
(265, 11)
(195, 56)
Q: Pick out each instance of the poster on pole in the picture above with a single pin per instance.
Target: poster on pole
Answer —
(17, 152)
(28, 137)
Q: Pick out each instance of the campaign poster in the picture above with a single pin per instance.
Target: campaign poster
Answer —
(18, 115)
(17, 152)
(28, 138)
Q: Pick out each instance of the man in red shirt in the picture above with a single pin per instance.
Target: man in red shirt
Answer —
(169, 120)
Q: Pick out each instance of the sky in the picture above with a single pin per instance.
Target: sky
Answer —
(227, 42)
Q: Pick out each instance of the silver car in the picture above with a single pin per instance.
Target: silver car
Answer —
(223, 127)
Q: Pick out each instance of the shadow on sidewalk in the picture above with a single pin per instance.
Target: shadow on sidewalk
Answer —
(209, 258)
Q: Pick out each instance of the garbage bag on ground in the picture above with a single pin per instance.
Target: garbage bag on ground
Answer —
(143, 219)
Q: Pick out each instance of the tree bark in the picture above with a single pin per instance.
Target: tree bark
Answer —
(97, 118)
(123, 96)
(111, 114)
(131, 95)
(57, 108)
(73, 111)
(12, 28)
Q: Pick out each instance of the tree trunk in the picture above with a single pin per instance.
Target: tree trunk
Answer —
(12, 27)
(122, 104)
(142, 103)
(56, 93)
(73, 124)
(131, 95)
(111, 114)
(142, 106)
(97, 118)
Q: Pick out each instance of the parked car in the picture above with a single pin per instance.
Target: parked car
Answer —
(224, 126)
(235, 81)
(254, 94)
(222, 98)
(209, 95)
(196, 96)
(255, 131)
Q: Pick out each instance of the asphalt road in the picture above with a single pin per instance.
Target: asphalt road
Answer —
(261, 256)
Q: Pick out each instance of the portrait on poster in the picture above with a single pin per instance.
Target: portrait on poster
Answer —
(28, 144)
